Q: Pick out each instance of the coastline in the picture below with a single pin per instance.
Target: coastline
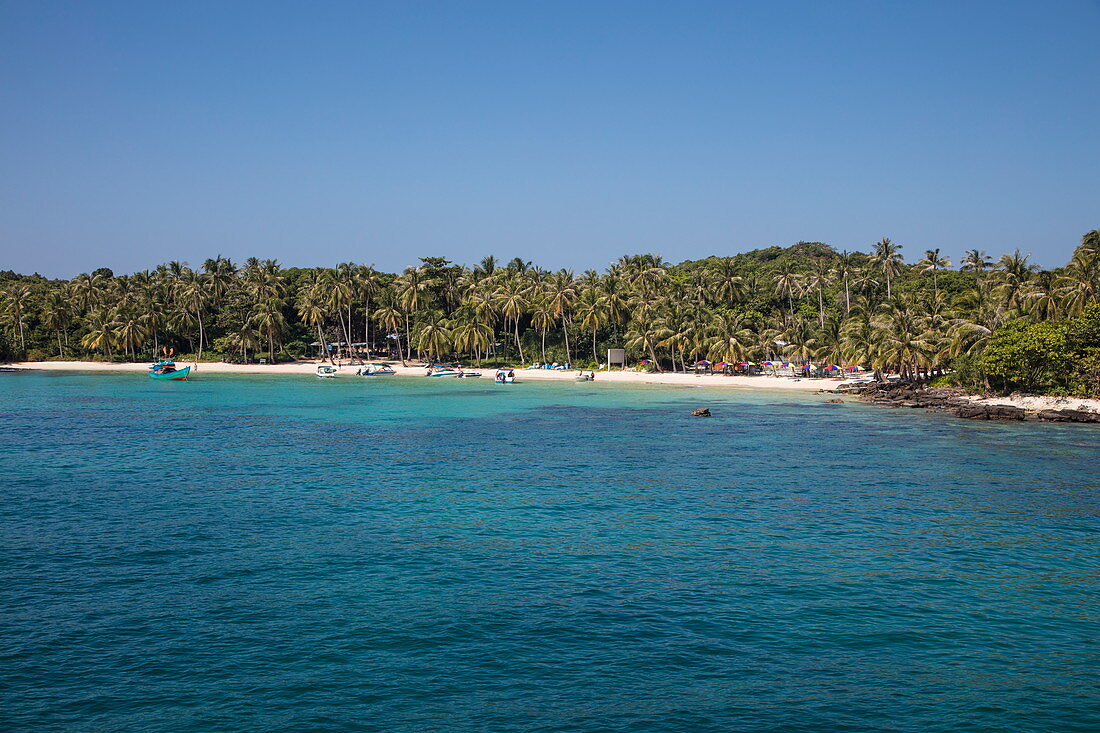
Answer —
(1027, 402)
(614, 377)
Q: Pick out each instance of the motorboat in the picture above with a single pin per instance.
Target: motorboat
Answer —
(166, 369)
(505, 376)
(327, 372)
(443, 370)
(462, 373)
(380, 369)
(584, 376)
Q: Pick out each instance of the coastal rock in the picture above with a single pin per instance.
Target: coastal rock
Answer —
(990, 412)
(700, 412)
(834, 402)
(1067, 416)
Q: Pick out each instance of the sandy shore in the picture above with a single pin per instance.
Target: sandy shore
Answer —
(1039, 402)
(308, 367)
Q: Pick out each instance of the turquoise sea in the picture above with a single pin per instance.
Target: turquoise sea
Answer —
(261, 553)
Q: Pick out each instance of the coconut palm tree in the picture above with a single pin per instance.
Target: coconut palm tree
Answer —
(267, 316)
(368, 283)
(312, 308)
(56, 315)
(727, 285)
(844, 270)
(887, 258)
(432, 335)
(1013, 273)
(512, 302)
(469, 335)
(647, 328)
(130, 333)
(193, 293)
(903, 344)
(391, 315)
(933, 262)
(101, 334)
(976, 260)
(16, 303)
(728, 338)
(818, 279)
(561, 292)
(591, 315)
(413, 295)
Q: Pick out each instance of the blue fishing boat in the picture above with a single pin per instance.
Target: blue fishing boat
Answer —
(166, 369)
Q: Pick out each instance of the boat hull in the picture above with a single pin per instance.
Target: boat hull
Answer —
(179, 375)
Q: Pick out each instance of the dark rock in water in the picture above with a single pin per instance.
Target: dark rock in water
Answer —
(990, 412)
(700, 412)
(834, 402)
(1067, 416)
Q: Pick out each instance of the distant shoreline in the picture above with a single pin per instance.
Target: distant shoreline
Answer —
(1030, 403)
(617, 377)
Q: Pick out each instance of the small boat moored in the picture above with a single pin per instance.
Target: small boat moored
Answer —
(589, 376)
(381, 369)
(443, 370)
(327, 372)
(166, 369)
(505, 376)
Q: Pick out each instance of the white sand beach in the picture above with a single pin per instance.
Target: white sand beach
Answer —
(1043, 402)
(618, 377)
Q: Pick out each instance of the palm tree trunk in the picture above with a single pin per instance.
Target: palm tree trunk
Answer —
(324, 347)
(653, 356)
(201, 332)
(519, 346)
(595, 358)
(366, 326)
(544, 345)
(565, 332)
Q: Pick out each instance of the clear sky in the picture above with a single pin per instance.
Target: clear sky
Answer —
(567, 133)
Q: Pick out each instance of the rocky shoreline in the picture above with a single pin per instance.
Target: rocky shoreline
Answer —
(959, 404)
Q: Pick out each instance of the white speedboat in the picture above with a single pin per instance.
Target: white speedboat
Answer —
(462, 373)
(327, 372)
(505, 376)
(376, 370)
(443, 370)
(584, 376)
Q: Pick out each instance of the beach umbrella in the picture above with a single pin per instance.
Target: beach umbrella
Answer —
(704, 362)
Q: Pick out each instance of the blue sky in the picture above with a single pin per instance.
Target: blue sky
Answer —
(567, 133)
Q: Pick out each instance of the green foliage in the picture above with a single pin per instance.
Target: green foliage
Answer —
(1003, 326)
(1062, 357)
(1028, 357)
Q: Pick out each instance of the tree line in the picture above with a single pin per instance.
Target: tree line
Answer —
(804, 303)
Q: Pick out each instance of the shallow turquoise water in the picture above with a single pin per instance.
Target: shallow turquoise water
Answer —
(282, 553)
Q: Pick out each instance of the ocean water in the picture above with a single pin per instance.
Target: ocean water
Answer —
(251, 553)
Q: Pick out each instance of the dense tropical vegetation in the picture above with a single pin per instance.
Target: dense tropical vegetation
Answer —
(1001, 324)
